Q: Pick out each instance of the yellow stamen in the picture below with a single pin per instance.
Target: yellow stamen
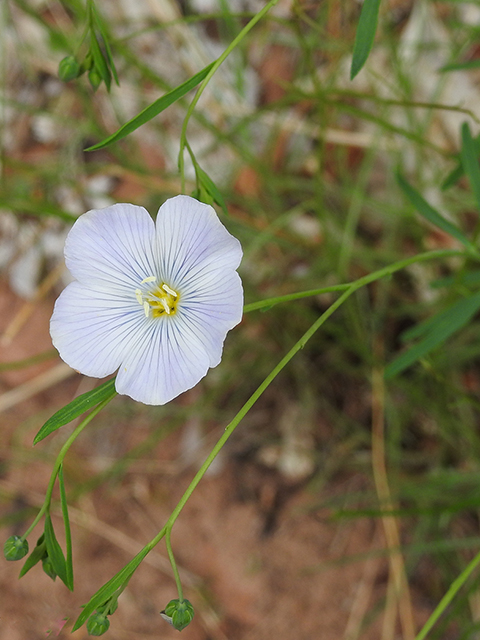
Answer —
(159, 300)
(171, 292)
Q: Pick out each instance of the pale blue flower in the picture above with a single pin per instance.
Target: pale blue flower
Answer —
(153, 300)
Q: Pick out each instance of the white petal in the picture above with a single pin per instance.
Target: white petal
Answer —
(112, 247)
(210, 307)
(190, 238)
(92, 330)
(163, 364)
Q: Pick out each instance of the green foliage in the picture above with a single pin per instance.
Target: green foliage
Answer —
(469, 156)
(153, 110)
(73, 409)
(434, 332)
(365, 36)
(432, 215)
(38, 554)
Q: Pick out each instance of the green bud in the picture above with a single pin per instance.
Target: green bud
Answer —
(15, 548)
(48, 567)
(97, 624)
(178, 614)
(68, 69)
(95, 78)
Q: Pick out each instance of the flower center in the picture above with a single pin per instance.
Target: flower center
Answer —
(159, 300)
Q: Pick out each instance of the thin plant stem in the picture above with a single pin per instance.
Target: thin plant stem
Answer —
(171, 557)
(208, 77)
(421, 257)
(448, 597)
(58, 463)
(131, 567)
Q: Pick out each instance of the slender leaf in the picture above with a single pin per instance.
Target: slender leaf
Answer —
(211, 188)
(428, 212)
(68, 533)
(469, 156)
(456, 66)
(75, 408)
(436, 331)
(456, 173)
(97, 20)
(109, 588)
(367, 26)
(37, 554)
(99, 61)
(154, 109)
(55, 552)
(468, 279)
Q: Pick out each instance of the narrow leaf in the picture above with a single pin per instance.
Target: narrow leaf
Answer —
(469, 156)
(456, 66)
(211, 188)
(109, 588)
(367, 26)
(154, 109)
(456, 173)
(99, 24)
(428, 212)
(99, 61)
(436, 330)
(68, 533)
(75, 408)
(55, 552)
(37, 554)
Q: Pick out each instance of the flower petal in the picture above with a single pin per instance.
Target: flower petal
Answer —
(164, 363)
(112, 247)
(191, 238)
(92, 329)
(210, 307)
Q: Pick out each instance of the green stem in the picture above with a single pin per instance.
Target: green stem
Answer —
(270, 302)
(354, 286)
(58, 463)
(448, 597)
(348, 290)
(201, 88)
(168, 542)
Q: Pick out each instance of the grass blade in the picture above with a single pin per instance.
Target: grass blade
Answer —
(436, 330)
(75, 408)
(367, 26)
(428, 212)
(68, 533)
(154, 109)
(469, 156)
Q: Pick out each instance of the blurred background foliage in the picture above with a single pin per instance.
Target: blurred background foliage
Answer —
(305, 160)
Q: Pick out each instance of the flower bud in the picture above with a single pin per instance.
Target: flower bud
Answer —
(178, 613)
(15, 548)
(97, 624)
(68, 69)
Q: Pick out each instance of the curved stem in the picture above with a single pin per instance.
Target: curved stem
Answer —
(58, 463)
(128, 571)
(171, 557)
(201, 88)
(421, 257)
